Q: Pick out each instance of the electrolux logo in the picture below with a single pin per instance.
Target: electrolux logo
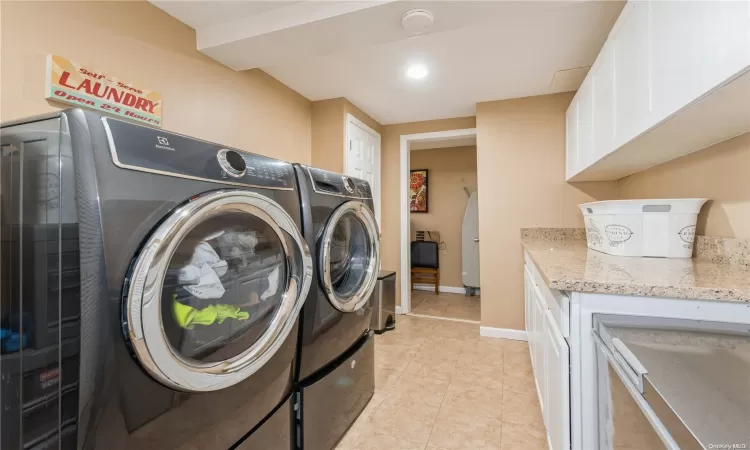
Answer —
(163, 143)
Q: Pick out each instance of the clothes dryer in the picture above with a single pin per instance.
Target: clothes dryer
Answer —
(151, 289)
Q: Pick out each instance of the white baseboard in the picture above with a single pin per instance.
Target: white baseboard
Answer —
(400, 310)
(504, 333)
(449, 319)
(449, 289)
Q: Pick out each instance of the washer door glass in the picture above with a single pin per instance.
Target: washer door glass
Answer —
(224, 284)
(350, 256)
(216, 290)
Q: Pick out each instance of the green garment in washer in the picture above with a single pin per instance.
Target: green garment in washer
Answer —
(187, 316)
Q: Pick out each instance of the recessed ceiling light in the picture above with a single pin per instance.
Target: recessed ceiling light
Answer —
(417, 71)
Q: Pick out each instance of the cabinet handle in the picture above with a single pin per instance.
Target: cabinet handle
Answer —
(629, 362)
(476, 239)
(657, 208)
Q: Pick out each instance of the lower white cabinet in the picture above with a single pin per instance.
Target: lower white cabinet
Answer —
(564, 355)
(538, 352)
(551, 362)
(527, 303)
(557, 392)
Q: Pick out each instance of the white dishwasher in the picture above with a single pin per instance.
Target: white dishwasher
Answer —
(672, 383)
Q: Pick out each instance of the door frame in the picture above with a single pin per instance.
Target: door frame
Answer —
(350, 119)
(406, 141)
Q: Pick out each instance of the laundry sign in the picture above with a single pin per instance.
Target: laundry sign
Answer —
(77, 85)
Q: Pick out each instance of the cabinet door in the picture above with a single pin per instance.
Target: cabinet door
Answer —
(603, 81)
(557, 390)
(571, 140)
(696, 46)
(534, 324)
(585, 124)
(533, 334)
(527, 303)
(540, 370)
(632, 69)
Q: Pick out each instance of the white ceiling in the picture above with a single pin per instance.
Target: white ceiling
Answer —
(477, 51)
(200, 14)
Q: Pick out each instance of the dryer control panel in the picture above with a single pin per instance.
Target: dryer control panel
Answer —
(325, 182)
(141, 148)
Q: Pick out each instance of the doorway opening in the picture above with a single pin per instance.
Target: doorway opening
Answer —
(439, 226)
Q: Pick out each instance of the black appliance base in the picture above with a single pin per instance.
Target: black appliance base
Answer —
(330, 402)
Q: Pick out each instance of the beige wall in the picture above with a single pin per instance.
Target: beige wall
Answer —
(520, 159)
(521, 178)
(328, 122)
(719, 173)
(352, 109)
(390, 245)
(450, 170)
(328, 134)
(139, 43)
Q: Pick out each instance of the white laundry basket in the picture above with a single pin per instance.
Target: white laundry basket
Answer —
(660, 228)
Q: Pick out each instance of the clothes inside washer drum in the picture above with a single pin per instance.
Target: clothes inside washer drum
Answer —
(187, 316)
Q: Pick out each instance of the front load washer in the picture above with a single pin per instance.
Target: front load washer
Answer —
(335, 371)
(151, 289)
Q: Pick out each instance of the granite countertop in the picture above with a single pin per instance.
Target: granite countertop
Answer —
(566, 264)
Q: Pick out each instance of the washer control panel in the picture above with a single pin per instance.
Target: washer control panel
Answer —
(325, 182)
(142, 148)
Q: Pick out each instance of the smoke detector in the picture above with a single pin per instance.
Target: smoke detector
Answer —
(417, 21)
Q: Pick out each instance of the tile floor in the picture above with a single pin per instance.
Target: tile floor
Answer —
(454, 306)
(440, 386)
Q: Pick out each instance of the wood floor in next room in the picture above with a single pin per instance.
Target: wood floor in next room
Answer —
(440, 386)
(446, 305)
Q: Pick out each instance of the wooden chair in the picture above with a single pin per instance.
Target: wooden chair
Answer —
(425, 263)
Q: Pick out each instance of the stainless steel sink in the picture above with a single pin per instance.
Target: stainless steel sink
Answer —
(690, 380)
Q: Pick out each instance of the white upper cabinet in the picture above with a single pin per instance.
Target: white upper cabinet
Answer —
(630, 42)
(571, 139)
(586, 123)
(696, 46)
(672, 78)
(603, 81)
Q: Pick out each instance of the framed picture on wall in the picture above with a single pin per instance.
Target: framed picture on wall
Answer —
(418, 191)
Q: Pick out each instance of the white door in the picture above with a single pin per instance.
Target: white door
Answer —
(362, 157)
